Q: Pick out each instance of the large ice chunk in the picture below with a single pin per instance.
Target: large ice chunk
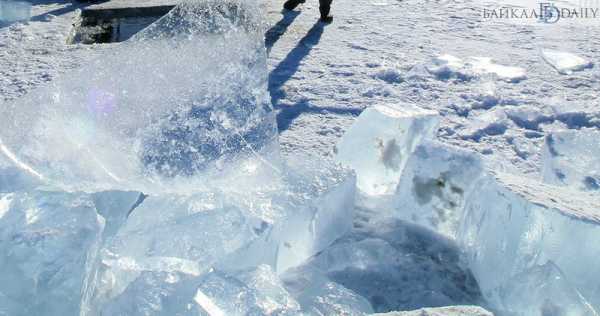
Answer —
(379, 143)
(564, 62)
(47, 242)
(513, 224)
(572, 158)
(48, 245)
(193, 101)
(281, 219)
(542, 290)
(317, 219)
(250, 292)
(435, 184)
(185, 234)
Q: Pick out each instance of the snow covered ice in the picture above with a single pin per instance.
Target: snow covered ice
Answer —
(564, 62)
(84, 131)
(379, 143)
(447, 66)
(442, 311)
(572, 158)
(486, 65)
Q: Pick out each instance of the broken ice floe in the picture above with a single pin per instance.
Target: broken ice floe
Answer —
(447, 66)
(443, 311)
(485, 65)
(48, 241)
(194, 102)
(564, 62)
(512, 224)
(379, 143)
(218, 293)
(542, 290)
(110, 253)
(572, 158)
(281, 223)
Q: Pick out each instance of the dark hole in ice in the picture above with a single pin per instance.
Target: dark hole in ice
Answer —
(106, 23)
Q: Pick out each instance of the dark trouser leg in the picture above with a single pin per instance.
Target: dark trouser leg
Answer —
(292, 4)
(324, 7)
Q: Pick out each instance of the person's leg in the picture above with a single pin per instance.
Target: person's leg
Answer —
(292, 4)
(325, 7)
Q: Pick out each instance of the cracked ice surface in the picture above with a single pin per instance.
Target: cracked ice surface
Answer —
(186, 96)
(514, 227)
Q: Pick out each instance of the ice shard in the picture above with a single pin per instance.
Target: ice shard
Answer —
(379, 143)
(513, 224)
(184, 97)
(572, 158)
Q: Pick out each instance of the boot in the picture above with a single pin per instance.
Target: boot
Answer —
(292, 4)
(325, 16)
